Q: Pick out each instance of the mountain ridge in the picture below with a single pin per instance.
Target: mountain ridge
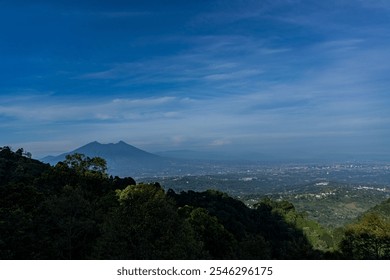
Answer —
(125, 160)
(96, 148)
(122, 159)
(120, 149)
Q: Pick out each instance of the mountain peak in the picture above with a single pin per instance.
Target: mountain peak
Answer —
(121, 142)
(122, 158)
(93, 143)
(103, 146)
(120, 149)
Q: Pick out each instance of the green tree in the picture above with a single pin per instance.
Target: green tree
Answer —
(279, 223)
(367, 239)
(66, 226)
(145, 225)
(85, 165)
(16, 234)
(255, 247)
(217, 242)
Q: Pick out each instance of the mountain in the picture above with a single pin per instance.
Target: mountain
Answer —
(122, 159)
(119, 150)
(125, 160)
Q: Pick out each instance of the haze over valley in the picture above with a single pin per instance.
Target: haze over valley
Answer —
(333, 193)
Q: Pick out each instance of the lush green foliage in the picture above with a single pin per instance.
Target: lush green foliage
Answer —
(74, 210)
(369, 236)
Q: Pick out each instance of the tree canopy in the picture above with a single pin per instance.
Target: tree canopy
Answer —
(74, 210)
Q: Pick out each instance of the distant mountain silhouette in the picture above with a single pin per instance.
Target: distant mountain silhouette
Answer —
(125, 160)
(122, 159)
(121, 149)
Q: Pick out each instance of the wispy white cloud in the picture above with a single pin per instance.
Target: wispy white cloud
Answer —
(305, 78)
(53, 110)
(210, 62)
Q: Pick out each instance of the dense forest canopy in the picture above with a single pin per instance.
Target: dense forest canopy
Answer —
(75, 210)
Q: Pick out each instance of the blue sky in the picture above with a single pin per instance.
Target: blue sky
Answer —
(288, 78)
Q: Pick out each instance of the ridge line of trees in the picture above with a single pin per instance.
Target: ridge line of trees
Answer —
(75, 210)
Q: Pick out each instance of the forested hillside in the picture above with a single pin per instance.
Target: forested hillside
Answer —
(369, 236)
(75, 210)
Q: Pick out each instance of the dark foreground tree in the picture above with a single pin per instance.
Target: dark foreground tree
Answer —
(146, 225)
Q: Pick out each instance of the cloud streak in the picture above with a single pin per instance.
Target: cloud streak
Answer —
(231, 77)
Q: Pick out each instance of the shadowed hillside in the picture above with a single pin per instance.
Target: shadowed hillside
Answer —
(75, 210)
